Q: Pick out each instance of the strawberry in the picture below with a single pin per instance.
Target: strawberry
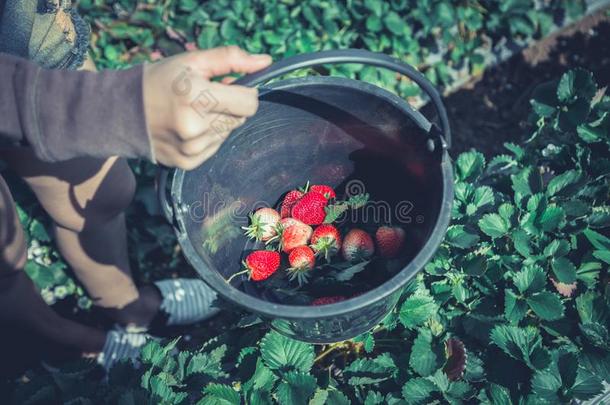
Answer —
(390, 240)
(327, 300)
(263, 224)
(294, 235)
(310, 208)
(326, 241)
(357, 245)
(260, 265)
(326, 191)
(301, 259)
(289, 200)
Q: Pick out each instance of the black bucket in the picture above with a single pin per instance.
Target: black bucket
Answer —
(326, 130)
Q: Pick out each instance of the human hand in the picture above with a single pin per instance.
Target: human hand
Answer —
(188, 115)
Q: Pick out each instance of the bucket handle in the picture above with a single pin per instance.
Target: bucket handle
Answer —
(353, 56)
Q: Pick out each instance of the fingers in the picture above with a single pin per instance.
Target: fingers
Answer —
(235, 100)
(228, 80)
(229, 59)
(197, 146)
(195, 161)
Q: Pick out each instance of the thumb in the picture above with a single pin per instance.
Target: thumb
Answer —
(228, 59)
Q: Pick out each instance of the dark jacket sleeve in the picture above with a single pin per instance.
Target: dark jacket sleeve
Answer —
(62, 114)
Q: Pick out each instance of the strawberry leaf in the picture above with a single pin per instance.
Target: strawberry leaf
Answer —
(546, 305)
(282, 353)
(418, 390)
(220, 394)
(358, 201)
(417, 309)
(334, 211)
(423, 359)
(296, 388)
(370, 371)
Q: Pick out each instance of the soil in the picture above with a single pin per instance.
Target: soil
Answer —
(493, 108)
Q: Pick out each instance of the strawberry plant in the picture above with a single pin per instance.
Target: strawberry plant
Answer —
(514, 307)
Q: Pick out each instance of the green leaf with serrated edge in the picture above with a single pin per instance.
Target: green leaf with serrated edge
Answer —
(441, 380)
(527, 182)
(576, 83)
(564, 270)
(220, 394)
(365, 371)
(358, 201)
(417, 309)
(523, 344)
(258, 397)
(336, 397)
(603, 255)
(545, 384)
(521, 242)
(557, 248)
(319, 398)
(564, 183)
(262, 379)
(598, 240)
(514, 307)
(506, 211)
(544, 99)
(469, 165)
(588, 272)
(591, 307)
(596, 362)
(374, 398)
(458, 390)
(587, 385)
(475, 265)
(282, 353)
(530, 279)
(418, 390)
(458, 236)
(483, 196)
(546, 305)
(423, 359)
(499, 395)
(551, 218)
(207, 363)
(296, 388)
(494, 225)
(368, 341)
(600, 217)
(334, 211)
(596, 334)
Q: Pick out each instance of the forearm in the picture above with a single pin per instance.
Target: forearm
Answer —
(64, 114)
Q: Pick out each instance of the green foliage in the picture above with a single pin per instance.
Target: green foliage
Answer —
(521, 278)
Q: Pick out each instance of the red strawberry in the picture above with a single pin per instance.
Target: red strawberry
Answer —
(294, 235)
(327, 300)
(301, 259)
(289, 200)
(326, 240)
(260, 265)
(310, 208)
(326, 191)
(357, 245)
(263, 224)
(390, 240)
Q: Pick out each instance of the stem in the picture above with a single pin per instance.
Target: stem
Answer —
(239, 273)
(329, 350)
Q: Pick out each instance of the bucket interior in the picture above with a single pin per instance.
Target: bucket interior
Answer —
(350, 135)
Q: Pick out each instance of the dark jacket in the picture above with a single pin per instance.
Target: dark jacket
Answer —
(63, 114)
